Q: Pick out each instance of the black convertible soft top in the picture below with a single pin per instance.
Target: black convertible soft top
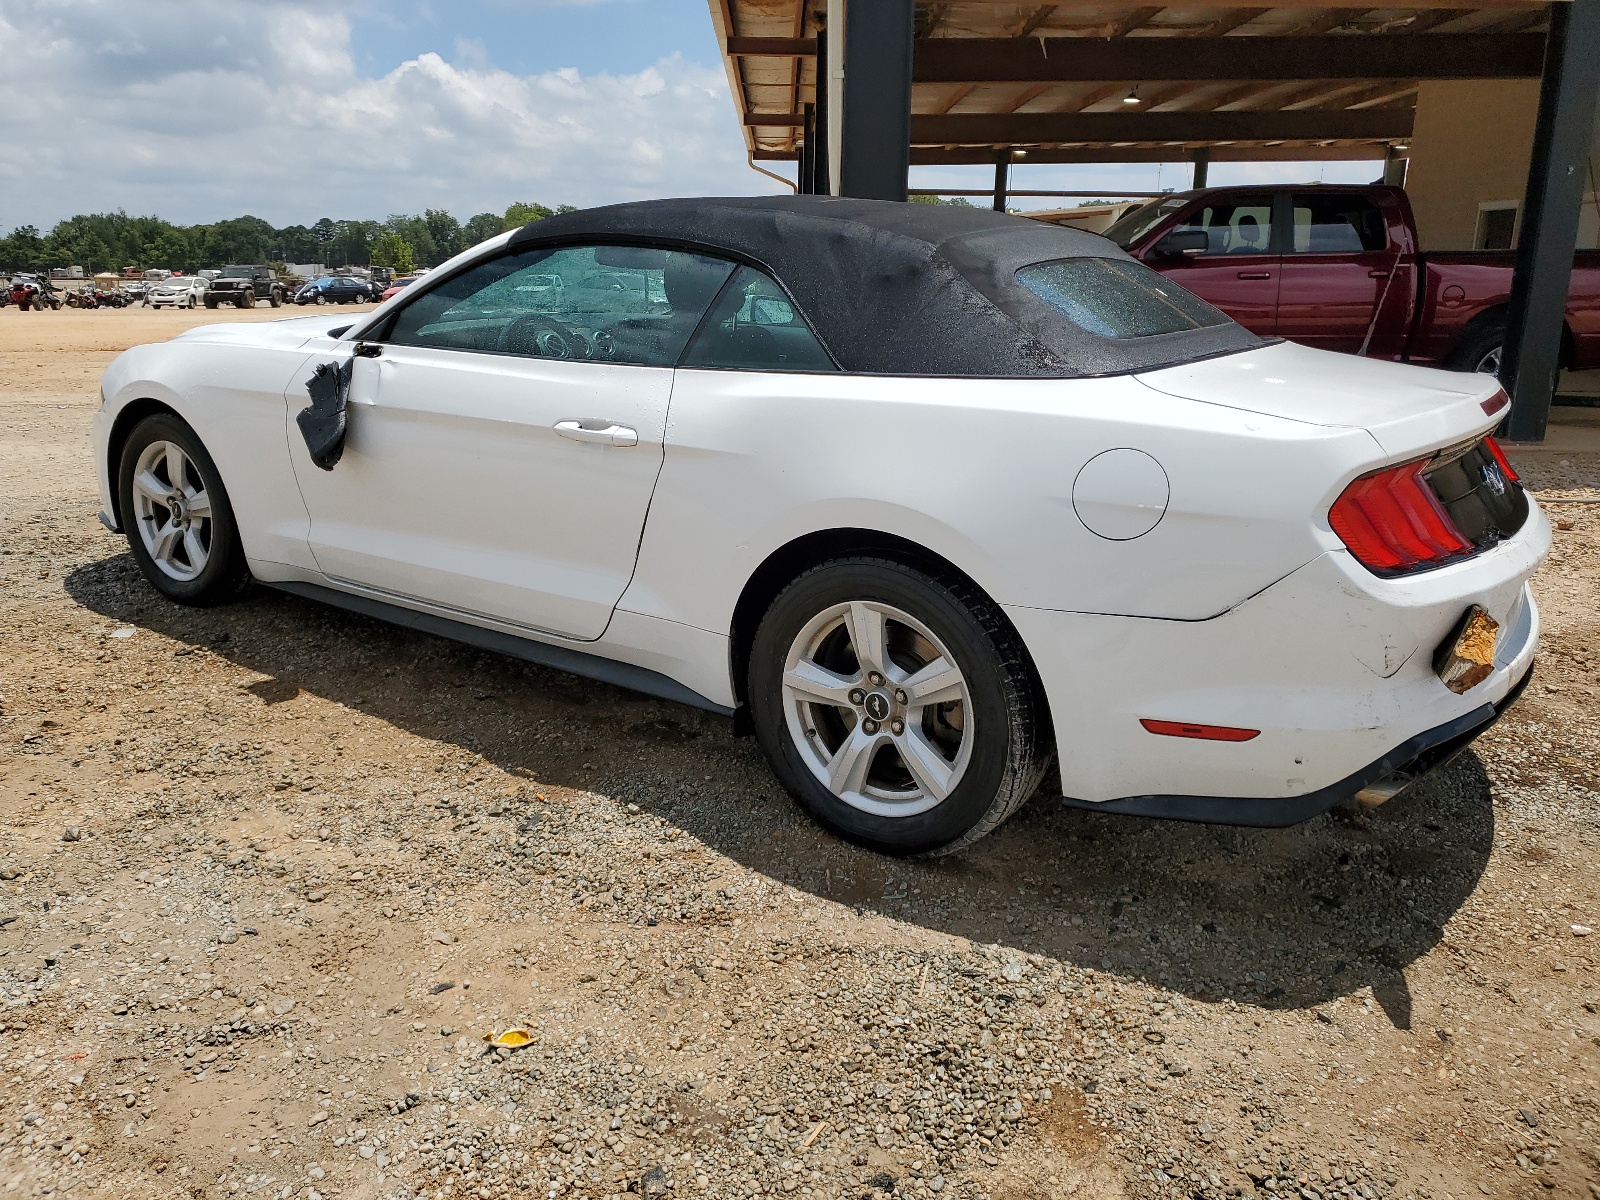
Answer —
(902, 289)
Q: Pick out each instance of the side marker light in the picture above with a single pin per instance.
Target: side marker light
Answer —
(1209, 733)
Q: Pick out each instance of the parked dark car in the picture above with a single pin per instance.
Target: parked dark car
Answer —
(335, 289)
(243, 286)
(1337, 267)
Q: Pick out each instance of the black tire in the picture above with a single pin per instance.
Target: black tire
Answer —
(319, 298)
(210, 303)
(275, 298)
(1011, 750)
(1480, 348)
(226, 575)
(247, 299)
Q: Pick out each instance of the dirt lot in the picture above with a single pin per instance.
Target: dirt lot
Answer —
(271, 872)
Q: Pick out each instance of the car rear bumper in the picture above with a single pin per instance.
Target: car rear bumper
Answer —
(1333, 667)
(1404, 765)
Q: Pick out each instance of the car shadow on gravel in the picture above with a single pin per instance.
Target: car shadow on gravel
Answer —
(1282, 918)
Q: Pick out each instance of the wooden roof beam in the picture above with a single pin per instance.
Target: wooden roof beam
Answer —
(1357, 56)
(1035, 19)
(1509, 5)
(1133, 20)
(1228, 22)
(1327, 21)
(1017, 129)
(1318, 152)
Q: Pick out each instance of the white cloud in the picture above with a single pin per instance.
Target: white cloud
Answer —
(196, 111)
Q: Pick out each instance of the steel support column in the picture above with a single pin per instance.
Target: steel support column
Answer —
(1002, 171)
(1201, 157)
(875, 158)
(1550, 209)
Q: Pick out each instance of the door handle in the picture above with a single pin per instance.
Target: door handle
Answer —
(1255, 274)
(1377, 273)
(604, 433)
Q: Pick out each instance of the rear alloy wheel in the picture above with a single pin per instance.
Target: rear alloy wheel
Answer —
(896, 707)
(1480, 350)
(176, 514)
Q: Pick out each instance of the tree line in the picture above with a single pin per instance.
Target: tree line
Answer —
(111, 241)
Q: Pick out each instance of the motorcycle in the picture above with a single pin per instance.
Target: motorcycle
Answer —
(83, 299)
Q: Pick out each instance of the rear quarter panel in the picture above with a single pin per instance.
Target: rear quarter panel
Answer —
(982, 473)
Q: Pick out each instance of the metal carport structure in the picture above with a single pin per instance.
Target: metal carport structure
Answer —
(995, 81)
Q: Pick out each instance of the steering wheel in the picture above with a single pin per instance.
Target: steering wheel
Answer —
(535, 335)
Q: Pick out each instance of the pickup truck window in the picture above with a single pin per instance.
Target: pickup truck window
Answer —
(1135, 223)
(1237, 225)
(1336, 223)
(1116, 298)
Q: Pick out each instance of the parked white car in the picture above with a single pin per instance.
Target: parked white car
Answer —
(922, 497)
(178, 291)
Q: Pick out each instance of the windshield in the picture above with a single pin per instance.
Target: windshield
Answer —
(1117, 298)
(237, 273)
(1132, 226)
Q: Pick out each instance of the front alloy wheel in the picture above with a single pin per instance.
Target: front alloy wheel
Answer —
(179, 524)
(896, 705)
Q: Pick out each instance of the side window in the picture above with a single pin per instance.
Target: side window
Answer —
(623, 304)
(754, 327)
(1336, 224)
(1241, 225)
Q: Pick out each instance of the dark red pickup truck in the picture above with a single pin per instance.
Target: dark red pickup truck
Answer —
(1338, 267)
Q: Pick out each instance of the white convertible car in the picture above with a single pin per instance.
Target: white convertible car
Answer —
(923, 497)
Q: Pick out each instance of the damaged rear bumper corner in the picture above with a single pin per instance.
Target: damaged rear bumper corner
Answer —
(1375, 783)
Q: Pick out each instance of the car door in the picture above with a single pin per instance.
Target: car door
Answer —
(502, 443)
(1239, 269)
(1337, 268)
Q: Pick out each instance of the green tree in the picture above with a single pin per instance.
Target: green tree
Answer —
(352, 243)
(22, 249)
(173, 248)
(521, 213)
(483, 227)
(390, 250)
(448, 237)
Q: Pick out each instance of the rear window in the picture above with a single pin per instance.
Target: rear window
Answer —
(1117, 299)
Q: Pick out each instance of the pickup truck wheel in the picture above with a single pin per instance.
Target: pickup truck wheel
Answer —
(180, 525)
(897, 708)
(1480, 350)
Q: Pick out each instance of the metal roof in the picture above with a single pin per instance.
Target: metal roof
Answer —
(1121, 83)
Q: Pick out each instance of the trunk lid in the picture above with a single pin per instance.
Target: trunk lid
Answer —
(1408, 410)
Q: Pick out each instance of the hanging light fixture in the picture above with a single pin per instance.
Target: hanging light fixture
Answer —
(1132, 97)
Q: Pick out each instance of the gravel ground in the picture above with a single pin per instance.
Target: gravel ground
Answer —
(269, 874)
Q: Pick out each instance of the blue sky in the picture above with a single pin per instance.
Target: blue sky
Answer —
(530, 36)
(292, 110)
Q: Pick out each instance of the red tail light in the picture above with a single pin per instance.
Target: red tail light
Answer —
(1391, 520)
(1500, 459)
